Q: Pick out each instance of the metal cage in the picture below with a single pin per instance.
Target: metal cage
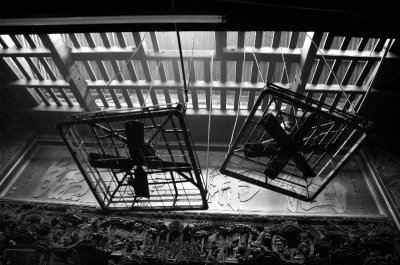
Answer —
(172, 172)
(295, 145)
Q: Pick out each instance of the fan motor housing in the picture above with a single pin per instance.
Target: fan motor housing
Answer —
(159, 146)
(293, 144)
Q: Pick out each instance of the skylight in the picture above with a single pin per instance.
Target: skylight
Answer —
(132, 69)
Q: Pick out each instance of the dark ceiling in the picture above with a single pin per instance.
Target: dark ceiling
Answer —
(342, 17)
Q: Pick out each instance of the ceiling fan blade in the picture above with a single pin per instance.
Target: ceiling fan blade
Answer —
(109, 161)
(158, 163)
(140, 183)
(302, 164)
(276, 165)
(135, 139)
(252, 150)
(271, 125)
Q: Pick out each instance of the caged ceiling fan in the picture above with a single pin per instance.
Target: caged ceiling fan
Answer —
(294, 145)
(140, 159)
(140, 153)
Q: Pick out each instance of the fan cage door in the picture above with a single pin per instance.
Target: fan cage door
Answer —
(278, 160)
(171, 186)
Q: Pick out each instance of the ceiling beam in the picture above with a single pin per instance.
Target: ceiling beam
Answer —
(307, 57)
(61, 55)
(157, 84)
(230, 53)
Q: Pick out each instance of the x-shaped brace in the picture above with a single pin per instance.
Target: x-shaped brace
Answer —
(289, 146)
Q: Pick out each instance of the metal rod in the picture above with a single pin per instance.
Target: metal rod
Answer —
(182, 64)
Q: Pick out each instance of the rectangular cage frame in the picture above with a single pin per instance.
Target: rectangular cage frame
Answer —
(291, 181)
(183, 190)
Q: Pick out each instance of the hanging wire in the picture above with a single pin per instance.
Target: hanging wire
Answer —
(126, 62)
(375, 73)
(258, 66)
(151, 85)
(209, 116)
(284, 65)
(182, 64)
(190, 62)
(240, 94)
(334, 75)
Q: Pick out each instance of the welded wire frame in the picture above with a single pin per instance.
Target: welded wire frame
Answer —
(172, 187)
(337, 135)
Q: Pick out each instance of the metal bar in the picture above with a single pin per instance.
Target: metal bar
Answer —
(349, 72)
(328, 41)
(207, 71)
(48, 69)
(192, 74)
(364, 73)
(21, 68)
(220, 43)
(240, 40)
(258, 40)
(16, 41)
(332, 74)
(132, 71)
(102, 97)
(3, 43)
(277, 39)
(345, 43)
(114, 97)
(318, 71)
(117, 71)
(271, 72)
(195, 100)
(362, 44)
(89, 70)
(250, 103)
(103, 70)
(53, 96)
(223, 99)
(153, 97)
(254, 73)
(175, 67)
(34, 68)
(335, 101)
(347, 104)
(239, 71)
(379, 45)
(29, 40)
(293, 40)
(286, 75)
(167, 96)
(182, 65)
(139, 95)
(44, 99)
(223, 71)
(74, 40)
(121, 39)
(65, 96)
